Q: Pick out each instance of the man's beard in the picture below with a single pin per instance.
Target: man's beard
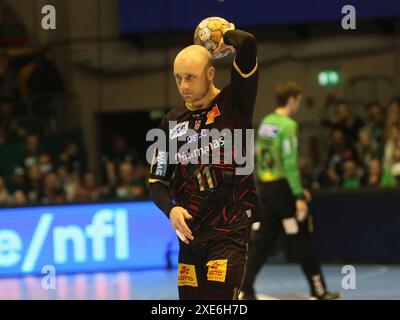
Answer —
(204, 94)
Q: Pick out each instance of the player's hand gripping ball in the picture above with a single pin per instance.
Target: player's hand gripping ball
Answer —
(209, 34)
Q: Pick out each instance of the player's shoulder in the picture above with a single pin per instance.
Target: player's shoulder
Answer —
(268, 126)
(226, 91)
(291, 122)
(280, 121)
(271, 118)
(175, 114)
(288, 125)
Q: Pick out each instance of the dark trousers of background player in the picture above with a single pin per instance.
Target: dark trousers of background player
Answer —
(231, 247)
(277, 205)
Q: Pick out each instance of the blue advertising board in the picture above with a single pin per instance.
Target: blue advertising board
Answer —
(85, 238)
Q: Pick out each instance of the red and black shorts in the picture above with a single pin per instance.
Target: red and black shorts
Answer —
(213, 269)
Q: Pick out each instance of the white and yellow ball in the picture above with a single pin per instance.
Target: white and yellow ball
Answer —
(209, 33)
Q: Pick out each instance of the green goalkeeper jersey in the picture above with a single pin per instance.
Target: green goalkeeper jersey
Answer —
(276, 151)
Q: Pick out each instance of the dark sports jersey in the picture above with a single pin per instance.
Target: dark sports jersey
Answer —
(219, 200)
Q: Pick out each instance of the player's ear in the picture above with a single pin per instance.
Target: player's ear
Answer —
(211, 73)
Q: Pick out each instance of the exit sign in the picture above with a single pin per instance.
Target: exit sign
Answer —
(329, 78)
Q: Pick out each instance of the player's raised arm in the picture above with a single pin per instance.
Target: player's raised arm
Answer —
(244, 74)
(245, 46)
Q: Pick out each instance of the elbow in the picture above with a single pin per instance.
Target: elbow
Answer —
(153, 186)
(251, 39)
(249, 42)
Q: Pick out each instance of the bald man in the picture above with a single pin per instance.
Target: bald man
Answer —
(209, 205)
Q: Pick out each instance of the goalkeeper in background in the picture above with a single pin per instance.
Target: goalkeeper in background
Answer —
(283, 200)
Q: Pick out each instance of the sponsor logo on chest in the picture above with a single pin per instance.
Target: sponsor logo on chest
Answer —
(268, 130)
(179, 130)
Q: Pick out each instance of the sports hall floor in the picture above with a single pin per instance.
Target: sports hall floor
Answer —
(276, 281)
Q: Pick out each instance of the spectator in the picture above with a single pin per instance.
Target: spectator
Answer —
(367, 149)
(5, 197)
(70, 157)
(90, 191)
(45, 163)
(340, 150)
(395, 167)
(120, 153)
(374, 175)
(19, 198)
(307, 175)
(392, 142)
(376, 122)
(34, 183)
(393, 113)
(351, 175)
(67, 181)
(33, 156)
(128, 185)
(344, 120)
(51, 193)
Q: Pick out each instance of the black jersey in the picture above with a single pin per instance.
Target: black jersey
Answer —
(219, 199)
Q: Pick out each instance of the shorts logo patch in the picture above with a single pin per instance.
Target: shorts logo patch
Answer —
(187, 275)
(217, 270)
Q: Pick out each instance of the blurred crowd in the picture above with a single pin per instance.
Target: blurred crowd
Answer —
(44, 175)
(361, 152)
(43, 178)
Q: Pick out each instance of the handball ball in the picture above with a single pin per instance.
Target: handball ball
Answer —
(209, 33)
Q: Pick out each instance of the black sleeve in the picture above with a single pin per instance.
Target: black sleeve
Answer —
(161, 170)
(160, 195)
(246, 49)
(244, 72)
